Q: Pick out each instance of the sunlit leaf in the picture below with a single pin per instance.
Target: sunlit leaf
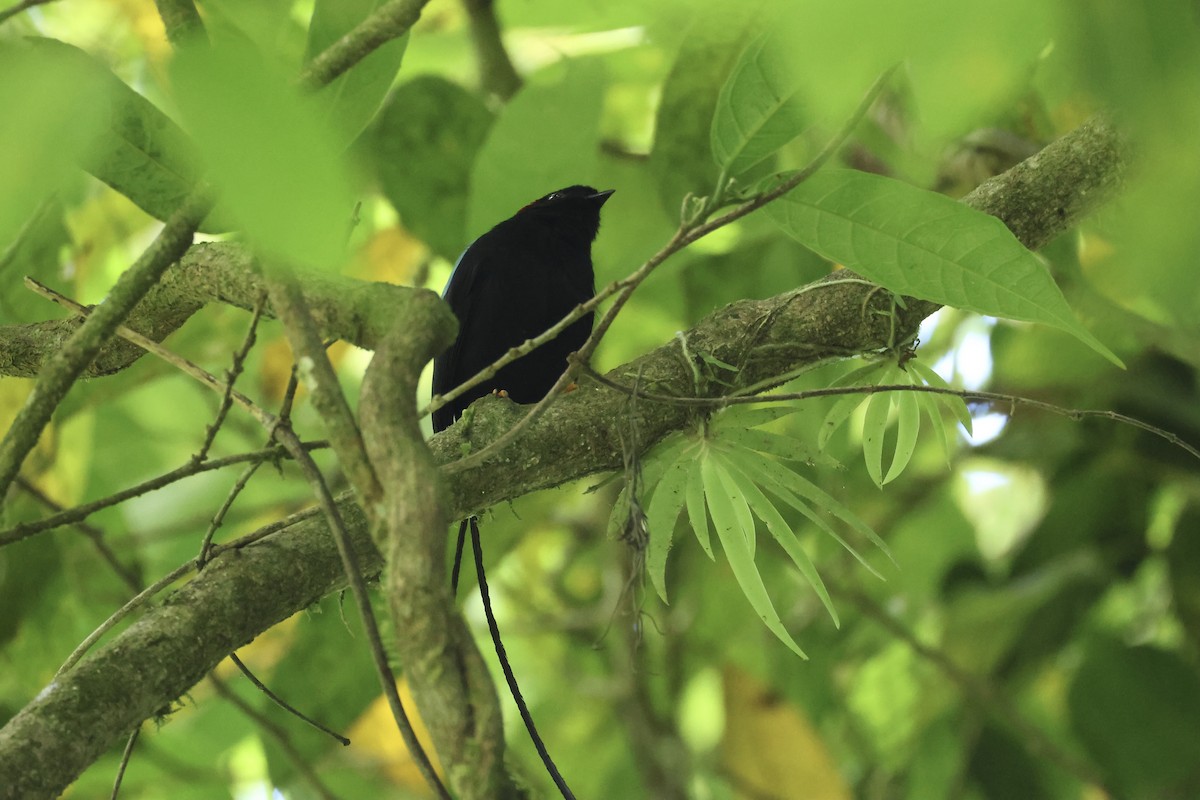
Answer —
(52, 113)
(737, 550)
(277, 165)
(798, 492)
(908, 425)
(953, 402)
(765, 510)
(140, 152)
(661, 515)
(874, 429)
(844, 407)
(919, 243)
(697, 513)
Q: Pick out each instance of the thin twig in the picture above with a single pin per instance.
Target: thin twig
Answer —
(73, 515)
(998, 398)
(231, 376)
(150, 346)
(279, 701)
(219, 517)
(94, 534)
(687, 233)
(125, 756)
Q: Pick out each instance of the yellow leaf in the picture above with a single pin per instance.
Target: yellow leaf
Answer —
(770, 747)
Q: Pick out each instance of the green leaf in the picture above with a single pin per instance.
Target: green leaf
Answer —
(747, 416)
(425, 141)
(352, 99)
(277, 166)
(786, 447)
(1132, 708)
(955, 403)
(661, 515)
(697, 514)
(765, 510)
(737, 502)
(141, 152)
(873, 432)
(908, 425)
(52, 112)
(844, 407)
(920, 243)
(738, 551)
(794, 490)
(545, 138)
(759, 109)
(929, 405)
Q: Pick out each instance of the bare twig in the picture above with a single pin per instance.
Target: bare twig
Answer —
(231, 376)
(125, 756)
(73, 515)
(285, 705)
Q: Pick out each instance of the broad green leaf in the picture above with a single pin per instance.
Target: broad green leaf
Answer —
(765, 510)
(681, 159)
(425, 140)
(697, 514)
(908, 425)
(919, 243)
(873, 432)
(52, 113)
(738, 552)
(354, 96)
(545, 138)
(277, 165)
(1132, 708)
(661, 515)
(141, 152)
(760, 108)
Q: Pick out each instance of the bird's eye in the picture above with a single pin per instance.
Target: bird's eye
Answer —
(554, 196)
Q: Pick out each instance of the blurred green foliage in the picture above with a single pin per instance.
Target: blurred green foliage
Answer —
(1039, 632)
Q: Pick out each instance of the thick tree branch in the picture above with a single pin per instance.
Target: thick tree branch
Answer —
(95, 705)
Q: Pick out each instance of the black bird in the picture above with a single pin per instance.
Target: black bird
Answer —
(512, 284)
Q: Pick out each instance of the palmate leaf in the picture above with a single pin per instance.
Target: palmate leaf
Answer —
(919, 243)
(908, 425)
(735, 542)
(844, 407)
(765, 510)
(665, 505)
(802, 495)
(697, 513)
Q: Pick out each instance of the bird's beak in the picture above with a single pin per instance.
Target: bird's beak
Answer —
(601, 197)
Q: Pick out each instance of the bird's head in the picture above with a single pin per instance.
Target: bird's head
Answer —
(575, 208)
